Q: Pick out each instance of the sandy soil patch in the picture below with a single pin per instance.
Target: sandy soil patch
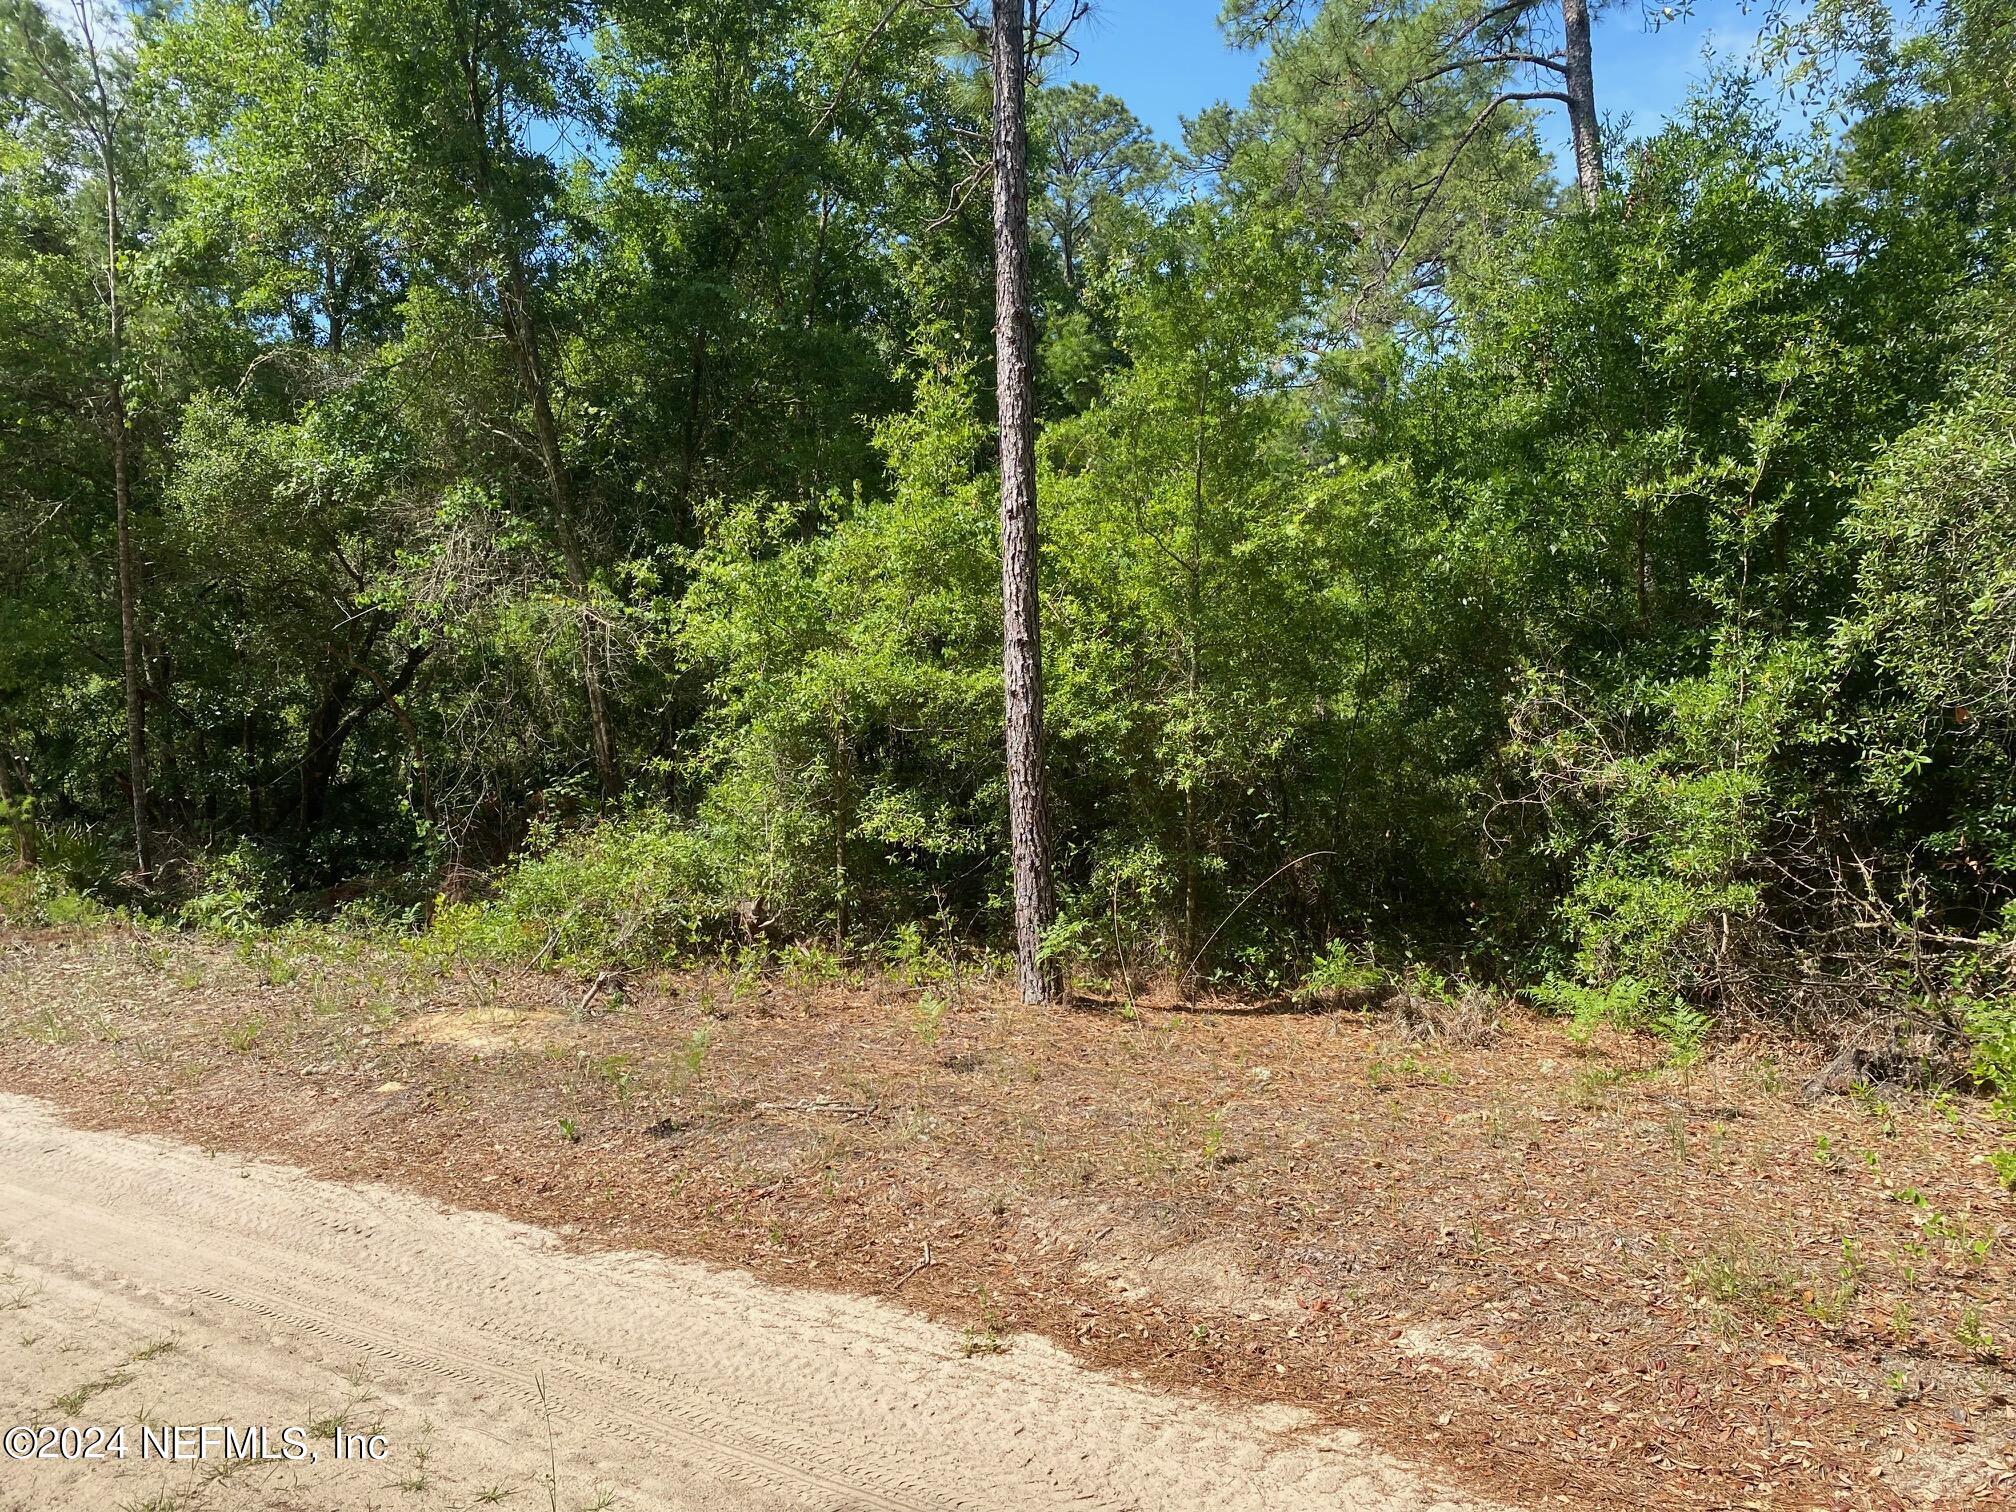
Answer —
(1548, 1273)
(464, 1360)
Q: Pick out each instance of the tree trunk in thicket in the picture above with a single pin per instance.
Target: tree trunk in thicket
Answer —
(522, 337)
(122, 504)
(19, 818)
(1581, 90)
(328, 731)
(523, 341)
(1192, 668)
(1022, 645)
(335, 720)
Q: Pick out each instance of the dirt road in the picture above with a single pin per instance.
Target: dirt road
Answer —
(152, 1285)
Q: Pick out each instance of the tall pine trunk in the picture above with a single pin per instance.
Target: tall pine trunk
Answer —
(1581, 91)
(1022, 645)
(122, 503)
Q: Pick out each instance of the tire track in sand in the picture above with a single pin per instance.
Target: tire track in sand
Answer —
(664, 1384)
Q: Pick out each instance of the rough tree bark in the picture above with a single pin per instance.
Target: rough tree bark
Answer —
(1022, 645)
(105, 132)
(1580, 76)
(129, 575)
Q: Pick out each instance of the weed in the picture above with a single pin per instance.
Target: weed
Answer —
(746, 973)
(910, 957)
(16, 1294)
(618, 1072)
(811, 965)
(1587, 1090)
(929, 1018)
(422, 1452)
(552, 1476)
(570, 1131)
(981, 1341)
(1974, 1338)
(48, 1027)
(1912, 1255)
(1865, 1097)
(1685, 1031)
(72, 1402)
(271, 965)
(241, 1037)
(1214, 1137)
(1831, 1305)
(1740, 1277)
(1410, 1067)
(1676, 1138)
(695, 1051)
(1823, 1151)
(2003, 1164)
(1626, 1003)
(1342, 969)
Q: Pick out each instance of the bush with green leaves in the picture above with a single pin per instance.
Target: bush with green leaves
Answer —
(32, 897)
(236, 893)
(1345, 969)
(1680, 822)
(643, 890)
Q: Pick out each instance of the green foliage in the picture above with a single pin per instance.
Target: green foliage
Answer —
(849, 760)
(1623, 1003)
(1685, 1031)
(35, 897)
(1991, 1032)
(1670, 818)
(1341, 967)
(638, 891)
(77, 857)
(576, 489)
(238, 893)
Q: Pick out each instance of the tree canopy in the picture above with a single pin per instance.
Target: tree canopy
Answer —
(460, 433)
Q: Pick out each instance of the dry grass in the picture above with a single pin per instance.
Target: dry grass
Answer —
(1549, 1271)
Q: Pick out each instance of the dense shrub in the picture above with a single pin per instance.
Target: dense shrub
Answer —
(639, 891)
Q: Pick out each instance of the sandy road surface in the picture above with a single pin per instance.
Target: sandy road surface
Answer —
(143, 1282)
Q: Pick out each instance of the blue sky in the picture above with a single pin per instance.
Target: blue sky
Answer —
(1166, 59)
